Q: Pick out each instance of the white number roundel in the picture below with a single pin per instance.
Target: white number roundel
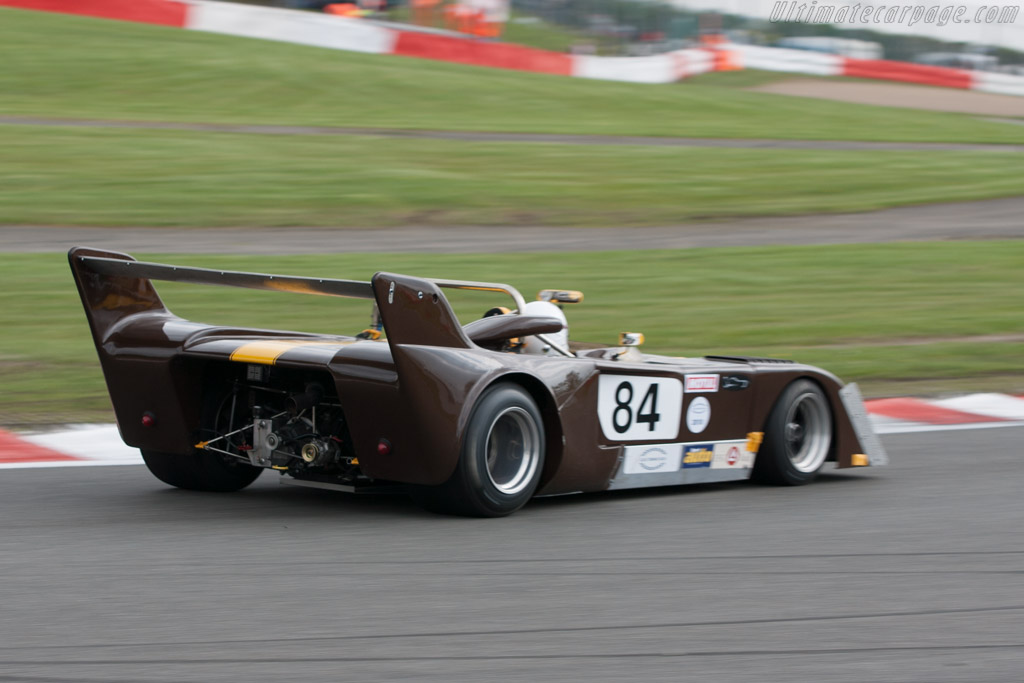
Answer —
(638, 408)
(698, 415)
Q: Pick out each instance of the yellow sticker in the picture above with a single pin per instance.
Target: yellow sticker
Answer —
(754, 440)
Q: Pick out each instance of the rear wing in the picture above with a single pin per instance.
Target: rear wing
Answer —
(114, 286)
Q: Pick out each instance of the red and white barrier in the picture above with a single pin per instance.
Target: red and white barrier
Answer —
(654, 69)
(922, 74)
(664, 68)
(289, 26)
(358, 35)
(784, 59)
(163, 12)
(481, 53)
(1000, 84)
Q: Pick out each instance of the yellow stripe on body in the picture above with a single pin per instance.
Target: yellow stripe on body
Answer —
(267, 351)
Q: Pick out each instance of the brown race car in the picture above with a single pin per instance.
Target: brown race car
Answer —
(473, 419)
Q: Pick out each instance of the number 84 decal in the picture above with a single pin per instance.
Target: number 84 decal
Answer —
(638, 408)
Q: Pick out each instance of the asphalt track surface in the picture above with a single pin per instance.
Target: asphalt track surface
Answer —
(908, 573)
(992, 219)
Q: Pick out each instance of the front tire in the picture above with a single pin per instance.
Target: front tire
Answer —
(199, 471)
(797, 436)
(501, 459)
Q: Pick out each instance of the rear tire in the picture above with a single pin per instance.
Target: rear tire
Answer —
(199, 471)
(797, 436)
(501, 459)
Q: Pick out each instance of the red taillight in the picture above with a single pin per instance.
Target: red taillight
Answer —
(383, 447)
(148, 419)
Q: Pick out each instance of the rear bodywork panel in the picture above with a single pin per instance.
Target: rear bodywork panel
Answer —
(612, 419)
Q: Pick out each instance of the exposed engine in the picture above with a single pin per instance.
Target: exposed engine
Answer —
(285, 422)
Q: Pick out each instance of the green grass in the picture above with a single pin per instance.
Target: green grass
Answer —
(748, 78)
(861, 311)
(173, 178)
(864, 312)
(65, 66)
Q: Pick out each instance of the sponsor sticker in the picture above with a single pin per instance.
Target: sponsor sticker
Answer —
(652, 459)
(701, 384)
(698, 455)
(671, 457)
(698, 415)
(732, 455)
(735, 382)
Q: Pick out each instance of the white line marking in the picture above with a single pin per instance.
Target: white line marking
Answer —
(69, 463)
(914, 428)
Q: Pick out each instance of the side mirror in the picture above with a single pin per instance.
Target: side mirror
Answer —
(560, 296)
(631, 339)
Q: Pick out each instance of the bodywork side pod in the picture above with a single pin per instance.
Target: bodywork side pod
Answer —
(422, 331)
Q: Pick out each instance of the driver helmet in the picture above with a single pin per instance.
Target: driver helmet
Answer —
(535, 346)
